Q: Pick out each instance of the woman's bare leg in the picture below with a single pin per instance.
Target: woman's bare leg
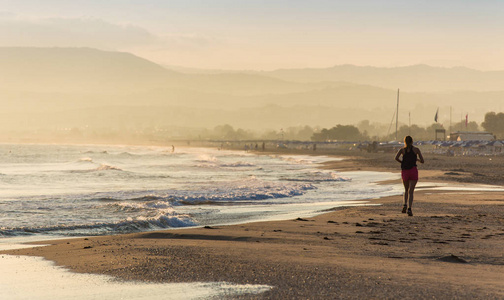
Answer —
(411, 190)
(406, 191)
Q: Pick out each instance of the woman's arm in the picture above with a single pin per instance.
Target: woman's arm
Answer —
(420, 157)
(399, 154)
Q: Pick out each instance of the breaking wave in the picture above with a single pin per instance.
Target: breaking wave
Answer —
(250, 189)
(85, 160)
(244, 190)
(102, 167)
(138, 224)
(319, 176)
(238, 164)
(105, 167)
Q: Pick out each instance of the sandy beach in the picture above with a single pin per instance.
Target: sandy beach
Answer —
(450, 249)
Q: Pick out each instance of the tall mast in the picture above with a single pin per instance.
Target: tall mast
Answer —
(450, 122)
(397, 115)
(409, 123)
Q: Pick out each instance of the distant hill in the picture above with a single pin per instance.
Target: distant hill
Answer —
(78, 70)
(417, 78)
(92, 71)
(66, 87)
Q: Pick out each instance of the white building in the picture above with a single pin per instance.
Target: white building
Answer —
(472, 136)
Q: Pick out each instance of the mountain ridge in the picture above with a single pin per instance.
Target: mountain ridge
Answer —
(415, 78)
(86, 78)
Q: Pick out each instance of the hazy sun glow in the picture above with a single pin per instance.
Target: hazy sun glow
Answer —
(153, 70)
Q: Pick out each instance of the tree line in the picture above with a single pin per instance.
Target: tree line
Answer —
(363, 131)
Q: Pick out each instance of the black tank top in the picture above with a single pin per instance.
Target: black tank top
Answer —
(409, 159)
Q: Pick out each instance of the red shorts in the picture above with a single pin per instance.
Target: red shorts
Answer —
(411, 174)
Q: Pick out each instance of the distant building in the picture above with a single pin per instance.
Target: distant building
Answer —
(471, 136)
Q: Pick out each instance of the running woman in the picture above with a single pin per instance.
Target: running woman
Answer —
(409, 172)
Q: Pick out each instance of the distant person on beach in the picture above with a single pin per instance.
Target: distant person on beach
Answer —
(409, 172)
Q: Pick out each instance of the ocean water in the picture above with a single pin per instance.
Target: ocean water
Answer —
(28, 278)
(74, 190)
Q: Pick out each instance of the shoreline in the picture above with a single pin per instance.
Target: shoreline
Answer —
(450, 248)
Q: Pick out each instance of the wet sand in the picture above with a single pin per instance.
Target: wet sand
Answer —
(450, 249)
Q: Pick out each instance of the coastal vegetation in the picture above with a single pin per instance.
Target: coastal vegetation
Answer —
(363, 131)
(494, 122)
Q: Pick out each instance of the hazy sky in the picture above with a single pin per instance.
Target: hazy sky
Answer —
(268, 34)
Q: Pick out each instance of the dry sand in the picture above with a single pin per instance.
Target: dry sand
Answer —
(452, 248)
